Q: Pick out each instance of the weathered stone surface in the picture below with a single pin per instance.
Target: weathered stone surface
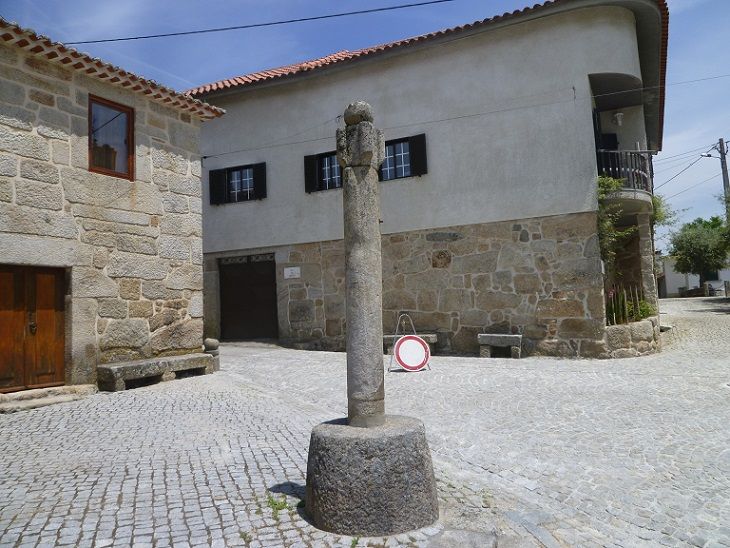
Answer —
(141, 309)
(557, 308)
(84, 187)
(195, 307)
(370, 481)
(6, 190)
(23, 144)
(12, 93)
(112, 308)
(129, 265)
(136, 244)
(174, 203)
(129, 289)
(574, 328)
(496, 339)
(90, 282)
(109, 216)
(527, 283)
(130, 333)
(112, 377)
(618, 336)
(301, 312)
(8, 165)
(491, 300)
(158, 290)
(166, 317)
(17, 117)
(456, 299)
(181, 225)
(40, 195)
(441, 258)
(185, 335)
(399, 299)
(478, 263)
(174, 247)
(186, 277)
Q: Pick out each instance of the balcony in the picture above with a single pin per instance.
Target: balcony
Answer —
(635, 170)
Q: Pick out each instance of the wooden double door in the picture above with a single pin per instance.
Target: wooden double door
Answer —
(31, 327)
(248, 299)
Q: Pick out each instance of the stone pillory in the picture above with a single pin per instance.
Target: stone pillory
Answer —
(373, 475)
(360, 151)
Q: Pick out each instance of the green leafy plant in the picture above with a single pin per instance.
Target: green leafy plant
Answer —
(701, 246)
(276, 505)
(624, 305)
(610, 236)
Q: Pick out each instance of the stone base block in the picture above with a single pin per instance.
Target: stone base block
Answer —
(114, 376)
(487, 341)
(371, 481)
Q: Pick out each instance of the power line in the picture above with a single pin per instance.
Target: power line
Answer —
(686, 152)
(678, 174)
(258, 25)
(465, 116)
(694, 186)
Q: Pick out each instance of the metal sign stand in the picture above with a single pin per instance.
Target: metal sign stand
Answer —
(401, 321)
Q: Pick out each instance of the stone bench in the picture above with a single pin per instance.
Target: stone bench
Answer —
(489, 340)
(113, 377)
(389, 341)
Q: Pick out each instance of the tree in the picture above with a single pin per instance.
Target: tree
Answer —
(700, 246)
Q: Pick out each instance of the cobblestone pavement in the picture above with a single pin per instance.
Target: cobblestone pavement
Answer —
(543, 451)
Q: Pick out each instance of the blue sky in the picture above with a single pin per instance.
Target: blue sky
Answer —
(696, 114)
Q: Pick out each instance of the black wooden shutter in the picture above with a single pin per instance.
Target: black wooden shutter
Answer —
(218, 182)
(259, 180)
(311, 175)
(417, 149)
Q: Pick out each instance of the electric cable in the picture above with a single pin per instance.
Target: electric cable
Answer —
(694, 186)
(258, 25)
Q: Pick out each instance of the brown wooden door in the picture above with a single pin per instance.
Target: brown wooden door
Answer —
(248, 300)
(31, 327)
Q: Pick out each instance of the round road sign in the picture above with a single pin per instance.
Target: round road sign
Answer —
(411, 353)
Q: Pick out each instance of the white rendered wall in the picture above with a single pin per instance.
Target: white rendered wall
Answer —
(675, 280)
(531, 155)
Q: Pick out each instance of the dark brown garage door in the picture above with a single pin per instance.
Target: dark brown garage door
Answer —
(31, 327)
(248, 298)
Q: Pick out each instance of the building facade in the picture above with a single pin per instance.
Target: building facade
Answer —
(496, 132)
(100, 215)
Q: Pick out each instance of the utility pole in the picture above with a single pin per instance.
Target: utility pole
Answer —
(725, 179)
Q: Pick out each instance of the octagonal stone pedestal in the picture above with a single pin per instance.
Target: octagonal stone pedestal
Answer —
(371, 481)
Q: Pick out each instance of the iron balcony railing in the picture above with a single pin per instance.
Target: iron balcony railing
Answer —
(633, 168)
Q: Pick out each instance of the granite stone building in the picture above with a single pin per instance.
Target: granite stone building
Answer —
(100, 215)
(496, 132)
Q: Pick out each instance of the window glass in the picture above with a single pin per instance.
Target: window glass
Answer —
(109, 133)
(330, 175)
(240, 184)
(397, 163)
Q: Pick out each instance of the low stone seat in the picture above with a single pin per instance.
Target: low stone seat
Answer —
(488, 340)
(390, 340)
(113, 377)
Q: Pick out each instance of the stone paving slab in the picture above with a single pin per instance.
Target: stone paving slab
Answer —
(544, 452)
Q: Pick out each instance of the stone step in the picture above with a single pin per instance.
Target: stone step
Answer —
(40, 397)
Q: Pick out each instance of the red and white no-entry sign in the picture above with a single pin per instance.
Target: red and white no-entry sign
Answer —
(411, 353)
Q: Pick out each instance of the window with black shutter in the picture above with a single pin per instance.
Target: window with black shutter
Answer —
(404, 158)
(322, 172)
(237, 184)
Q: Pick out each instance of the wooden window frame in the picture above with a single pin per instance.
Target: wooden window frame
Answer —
(314, 172)
(258, 192)
(417, 157)
(129, 111)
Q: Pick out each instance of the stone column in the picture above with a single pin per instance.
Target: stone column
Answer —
(360, 151)
(646, 259)
(377, 480)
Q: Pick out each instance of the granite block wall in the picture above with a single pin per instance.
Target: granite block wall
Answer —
(540, 277)
(132, 249)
